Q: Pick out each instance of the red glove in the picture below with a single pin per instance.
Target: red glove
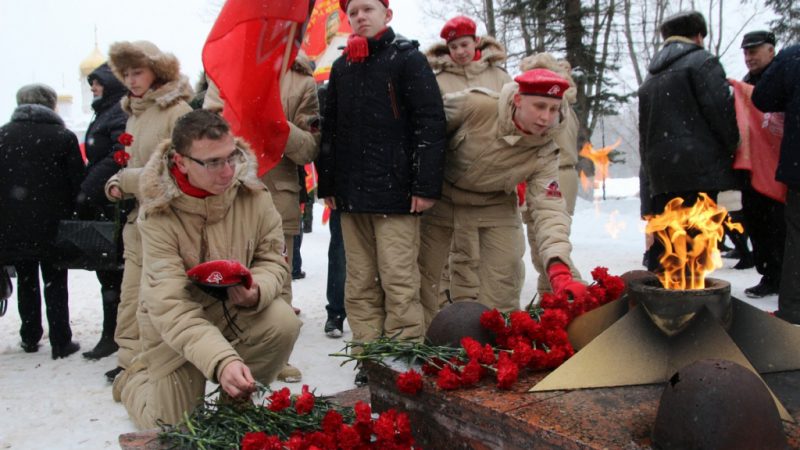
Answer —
(562, 282)
(221, 273)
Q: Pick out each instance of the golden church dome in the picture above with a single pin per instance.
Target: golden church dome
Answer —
(93, 61)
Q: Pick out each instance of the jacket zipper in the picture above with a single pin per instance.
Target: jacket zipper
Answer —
(393, 98)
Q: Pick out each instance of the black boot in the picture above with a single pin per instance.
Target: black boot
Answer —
(107, 346)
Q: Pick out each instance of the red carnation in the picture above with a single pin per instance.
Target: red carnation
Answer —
(121, 157)
(404, 430)
(280, 400)
(255, 441)
(487, 355)
(615, 286)
(471, 373)
(472, 347)
(348, 437)
(332, 421)
(384, 426)
(305, 402)
(600, 273)
(447, 379)
(507, 371)
(538, 359)
(493, 321)
(522, 353)
(553, 301)
(409, 382)
(554, 318)
(125, 139)
(363, 412)
(521, 323)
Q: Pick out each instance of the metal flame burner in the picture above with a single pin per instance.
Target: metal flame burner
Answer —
(673, 310)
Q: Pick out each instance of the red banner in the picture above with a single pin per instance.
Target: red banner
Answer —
(249, 45)
(760, 143)
(326, 32)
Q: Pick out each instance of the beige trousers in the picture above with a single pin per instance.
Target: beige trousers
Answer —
(265, 345)
(126, 334)
(382, 284)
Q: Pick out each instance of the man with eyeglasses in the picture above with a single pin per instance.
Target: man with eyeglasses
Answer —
(201, 201)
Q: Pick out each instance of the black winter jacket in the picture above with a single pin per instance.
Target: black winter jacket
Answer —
(101, 140)
(687, 124)
(383, 135)
(41, 174)
(779, 91)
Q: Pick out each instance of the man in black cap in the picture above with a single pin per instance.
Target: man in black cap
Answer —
(763, 216)
(687, 122)
(759, 50)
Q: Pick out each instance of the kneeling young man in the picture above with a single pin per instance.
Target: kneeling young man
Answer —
(202, 201)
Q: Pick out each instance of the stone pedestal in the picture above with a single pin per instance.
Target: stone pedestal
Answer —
(487, 418)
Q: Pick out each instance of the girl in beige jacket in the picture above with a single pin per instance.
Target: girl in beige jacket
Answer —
(157, 97)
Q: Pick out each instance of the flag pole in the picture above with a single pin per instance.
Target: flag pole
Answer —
(289, 45)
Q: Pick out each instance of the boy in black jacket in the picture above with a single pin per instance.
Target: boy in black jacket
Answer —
(381, 166)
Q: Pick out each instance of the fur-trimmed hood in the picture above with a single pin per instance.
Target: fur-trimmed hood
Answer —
(158, 189)
(560, 67)
(164, 96)
(125, 55)
(492, 54)
(302, 64)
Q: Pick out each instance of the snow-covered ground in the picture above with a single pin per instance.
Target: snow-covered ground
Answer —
(67, 403)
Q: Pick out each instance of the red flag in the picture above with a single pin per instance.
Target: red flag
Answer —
(760, 143)
(326, 32)
(244, 55)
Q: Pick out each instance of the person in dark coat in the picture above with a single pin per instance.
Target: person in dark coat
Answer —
(101, 143)
(42, 171)
(763, 216)
(381, 165)
(778, 91)
(687, 123)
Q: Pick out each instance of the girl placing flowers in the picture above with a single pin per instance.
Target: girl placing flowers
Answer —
(157, 97)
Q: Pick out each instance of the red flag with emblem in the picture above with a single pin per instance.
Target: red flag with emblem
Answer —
(326, 33)
(249, 45)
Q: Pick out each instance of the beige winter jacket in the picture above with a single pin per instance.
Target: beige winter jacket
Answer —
(151, 119)
(488, 156)
(179, 232)
(301, 106)
(485, 72)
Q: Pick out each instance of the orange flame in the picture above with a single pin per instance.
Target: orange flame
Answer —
(584, 181)
(599, 158)
(690, 236)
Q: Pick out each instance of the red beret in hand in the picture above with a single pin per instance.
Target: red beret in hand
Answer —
(221, 273)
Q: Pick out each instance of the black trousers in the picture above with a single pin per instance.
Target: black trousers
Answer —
(765, 223)
(659, 202)
(29, 299)
(789, 294)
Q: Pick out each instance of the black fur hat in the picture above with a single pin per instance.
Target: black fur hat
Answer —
(685, 23)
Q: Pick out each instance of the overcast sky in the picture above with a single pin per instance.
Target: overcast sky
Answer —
(45, 40)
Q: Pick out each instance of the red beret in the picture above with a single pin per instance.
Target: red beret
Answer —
(457, 27)
(343, 4)
(542, 82)
(221, 273)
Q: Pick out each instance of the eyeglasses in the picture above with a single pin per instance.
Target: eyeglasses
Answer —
(216, 164)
